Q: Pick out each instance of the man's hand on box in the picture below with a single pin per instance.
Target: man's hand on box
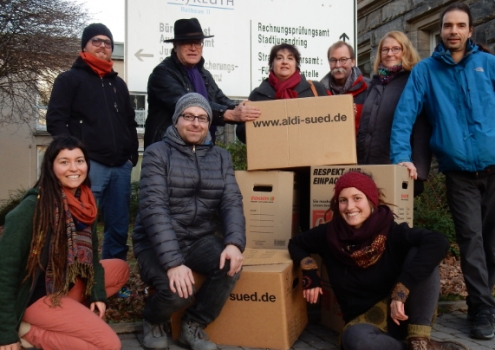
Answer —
(181, 280)
(242, 113)
(232, 253)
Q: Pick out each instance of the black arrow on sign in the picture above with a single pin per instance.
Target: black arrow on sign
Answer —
(343, 37)
(139, 55)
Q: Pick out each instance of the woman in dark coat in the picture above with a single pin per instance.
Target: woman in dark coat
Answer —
(284, 81)
(385, 275)
(394, 61)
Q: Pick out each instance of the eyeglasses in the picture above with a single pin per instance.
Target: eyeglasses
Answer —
(342, 60)
(190, 118)
(395, 50)
(197, 44)
(97, 42)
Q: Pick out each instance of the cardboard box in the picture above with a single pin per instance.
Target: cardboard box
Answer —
(266, 309)
(270, 207)
(393, 180)
(331, 314)
(302, 132)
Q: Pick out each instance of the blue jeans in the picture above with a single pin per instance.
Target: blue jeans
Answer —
(202, 257)
(111, 187)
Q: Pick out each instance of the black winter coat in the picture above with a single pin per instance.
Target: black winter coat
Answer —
(97, 111)
(358, 289)
(373, 139)
(182, 188)
(167, 83)
(265, 92)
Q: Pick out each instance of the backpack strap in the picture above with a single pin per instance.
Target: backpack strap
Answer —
(312, 86)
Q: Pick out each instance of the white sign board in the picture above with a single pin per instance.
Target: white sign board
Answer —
(244, 32)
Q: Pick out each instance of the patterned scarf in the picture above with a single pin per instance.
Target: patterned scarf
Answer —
(285, 89)
(100, 67)
(338, 90)
(386, 74)
(80, 214)
(360, 247)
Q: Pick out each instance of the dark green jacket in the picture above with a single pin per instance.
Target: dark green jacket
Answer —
(15, 244)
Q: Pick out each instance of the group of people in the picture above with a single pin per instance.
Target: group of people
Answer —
(385, 275)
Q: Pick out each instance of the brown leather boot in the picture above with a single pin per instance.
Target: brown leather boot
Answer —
(425, 344)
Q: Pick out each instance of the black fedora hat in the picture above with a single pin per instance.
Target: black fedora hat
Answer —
(187, 29)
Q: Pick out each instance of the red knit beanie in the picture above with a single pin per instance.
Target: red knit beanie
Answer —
(361, 181)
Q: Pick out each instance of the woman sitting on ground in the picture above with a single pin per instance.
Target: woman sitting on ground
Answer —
(385, 275)
(49, 266)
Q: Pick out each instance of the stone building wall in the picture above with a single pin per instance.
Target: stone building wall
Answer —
(419, 19)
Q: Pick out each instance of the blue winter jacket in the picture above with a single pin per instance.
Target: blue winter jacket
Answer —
(459, 101)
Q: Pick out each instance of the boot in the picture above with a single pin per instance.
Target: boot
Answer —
(154, 336)
(194, 336)
(427, 344)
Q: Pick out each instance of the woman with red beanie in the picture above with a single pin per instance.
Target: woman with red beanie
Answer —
(385, 275)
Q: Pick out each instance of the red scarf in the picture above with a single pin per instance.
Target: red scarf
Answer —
(360, 247)
(285, 89)
(101, 67)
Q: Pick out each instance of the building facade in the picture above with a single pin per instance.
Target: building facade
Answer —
(419, 19)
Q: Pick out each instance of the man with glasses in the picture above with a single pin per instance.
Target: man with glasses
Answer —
(90, 102)
(455, 88)
(182, 72)
(344, 77)
(187, 187)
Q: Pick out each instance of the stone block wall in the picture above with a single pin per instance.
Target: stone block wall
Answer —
(419, 19)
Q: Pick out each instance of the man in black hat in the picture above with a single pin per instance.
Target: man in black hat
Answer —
(182, 72)
(90, 102)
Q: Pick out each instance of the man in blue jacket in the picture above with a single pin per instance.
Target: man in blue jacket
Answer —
(455, 87)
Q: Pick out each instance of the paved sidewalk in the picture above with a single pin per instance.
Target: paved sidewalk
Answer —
(449, 326)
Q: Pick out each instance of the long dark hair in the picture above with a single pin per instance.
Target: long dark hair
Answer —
(44, 220)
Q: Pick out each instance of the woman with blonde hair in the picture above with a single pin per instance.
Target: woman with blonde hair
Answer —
(395, 58)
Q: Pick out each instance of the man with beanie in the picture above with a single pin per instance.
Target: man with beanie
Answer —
(182, 72)
(90, 102)
(187, 182)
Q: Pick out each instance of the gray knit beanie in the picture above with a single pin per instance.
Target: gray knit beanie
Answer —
(191, 99)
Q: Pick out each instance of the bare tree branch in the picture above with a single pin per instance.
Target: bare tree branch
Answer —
(38, 40)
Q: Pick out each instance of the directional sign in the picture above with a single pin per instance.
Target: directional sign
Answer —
(343, 37)
(244, 32)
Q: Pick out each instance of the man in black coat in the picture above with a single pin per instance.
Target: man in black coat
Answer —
(182, 72)
(92, 103)
(186, 182)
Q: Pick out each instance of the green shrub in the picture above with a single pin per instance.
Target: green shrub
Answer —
(134, 203)
(11, 203)
(431, 210)
(238, 152)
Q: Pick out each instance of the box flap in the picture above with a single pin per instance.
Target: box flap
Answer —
(265, 256)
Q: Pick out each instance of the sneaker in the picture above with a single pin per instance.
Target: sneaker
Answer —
(124, 292)
(483, 325)
(427, 344)
(154, 336)
(194, 336)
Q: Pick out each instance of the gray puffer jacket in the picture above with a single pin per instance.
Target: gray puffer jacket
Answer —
(182, 188)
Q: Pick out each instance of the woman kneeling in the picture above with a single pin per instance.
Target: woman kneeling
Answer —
(385, 275)
(49, 261)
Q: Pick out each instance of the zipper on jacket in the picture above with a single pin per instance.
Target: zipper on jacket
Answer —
(115, 106)
(110, 122)
(198, 186)
(194, 149)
